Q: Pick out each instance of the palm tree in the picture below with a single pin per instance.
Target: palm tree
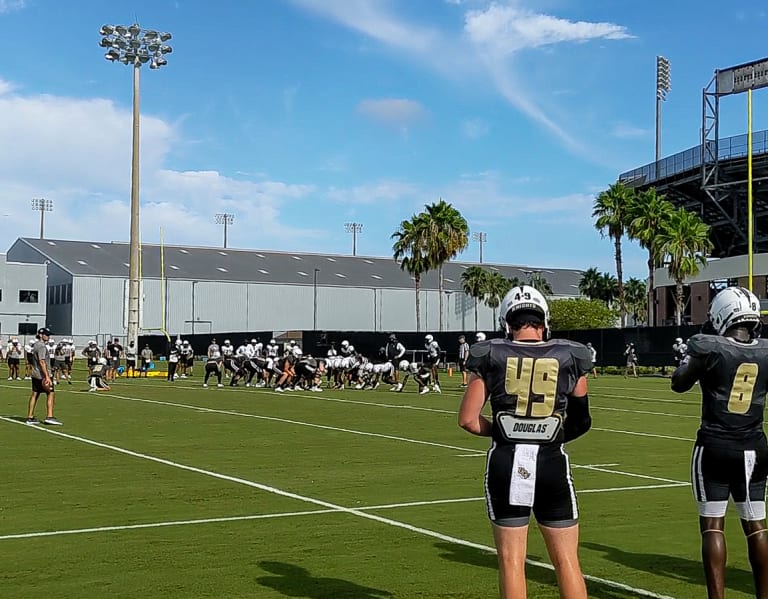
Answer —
(636, 294)
(539, 283)
(649, 213)
(684, 242)
(410, 248)
(611, 211)
(497, 286)
(448, 234)
(474, 281)
(608, 288)
(590, 284)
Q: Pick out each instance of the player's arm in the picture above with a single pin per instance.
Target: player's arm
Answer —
(686, 375)
(578, 420)
(470, 416)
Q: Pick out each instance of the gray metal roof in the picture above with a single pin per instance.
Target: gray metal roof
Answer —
(84, 258)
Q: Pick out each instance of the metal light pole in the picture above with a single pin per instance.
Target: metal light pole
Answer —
(663, 87)
(134, 46)
(314, 304)
(43, 206)
(482, 238)
(226, 220)
(354, 228)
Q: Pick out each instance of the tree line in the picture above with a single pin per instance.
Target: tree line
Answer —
(673, 237)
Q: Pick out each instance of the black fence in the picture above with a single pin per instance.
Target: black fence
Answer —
(653, 345)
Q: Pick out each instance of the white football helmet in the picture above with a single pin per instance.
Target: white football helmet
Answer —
(678, 340)
(734, 305)
(403, 365)
(480, 337)
(345, 344)
(429, 338)
(524, 297)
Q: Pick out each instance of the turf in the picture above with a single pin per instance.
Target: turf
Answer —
(171, 490)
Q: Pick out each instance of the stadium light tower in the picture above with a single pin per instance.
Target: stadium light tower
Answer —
(354, 228)
(226, 220)
(43, 206)
(134, 46)
(480, 237)
(663, 87)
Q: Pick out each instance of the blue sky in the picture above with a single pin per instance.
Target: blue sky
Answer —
(300, 115)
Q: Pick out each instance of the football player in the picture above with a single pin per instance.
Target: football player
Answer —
(730, 456)
(214, 366)
(432, 359)
(679, 351)
(537, 389)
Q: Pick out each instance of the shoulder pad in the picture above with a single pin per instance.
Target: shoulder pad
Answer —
(480, 349)
(700, 345)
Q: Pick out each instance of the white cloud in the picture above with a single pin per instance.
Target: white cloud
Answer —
(384, 192)
(398, 112)
(508, 29)
(475, 128)
(10, 5)
(627, 131)
(77, 152)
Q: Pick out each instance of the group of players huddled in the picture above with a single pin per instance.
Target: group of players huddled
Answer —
(288, 368)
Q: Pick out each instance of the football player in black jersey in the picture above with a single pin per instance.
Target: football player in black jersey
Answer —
(538, 395)
(730, 457)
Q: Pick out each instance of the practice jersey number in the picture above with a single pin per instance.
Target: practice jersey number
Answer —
(742, 389)
(529, 376)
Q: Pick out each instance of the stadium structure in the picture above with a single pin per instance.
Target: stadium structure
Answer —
(713, 180)
(199, 290)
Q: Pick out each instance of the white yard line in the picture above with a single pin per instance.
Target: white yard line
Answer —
(632, 474)
(654, 435)
(325, 504)
(389, 506)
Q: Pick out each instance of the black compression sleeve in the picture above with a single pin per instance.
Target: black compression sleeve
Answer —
(577, 420)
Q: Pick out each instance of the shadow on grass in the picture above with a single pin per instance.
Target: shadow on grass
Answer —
(17, 418)
(538, 574)
(670, 566)
(295, 581)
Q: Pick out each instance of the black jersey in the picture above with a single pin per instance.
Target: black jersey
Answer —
(733, 389)
(528, 386)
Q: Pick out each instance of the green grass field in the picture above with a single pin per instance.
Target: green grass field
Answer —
(171, 490)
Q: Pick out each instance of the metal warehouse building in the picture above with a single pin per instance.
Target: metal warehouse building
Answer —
(212, 290)
(22, 297)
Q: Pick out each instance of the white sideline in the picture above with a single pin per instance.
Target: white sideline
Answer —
(75, 531)
(331, 506)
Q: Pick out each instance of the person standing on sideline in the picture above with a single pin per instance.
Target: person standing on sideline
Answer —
(593, 356)
(146, 359)
(41, 379)
(679, 351)
(631, 355)
(463, 355)
(537, 389)
(130, 360)
(730, 456)
(173, 361)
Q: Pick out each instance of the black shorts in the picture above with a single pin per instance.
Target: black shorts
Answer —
(130, 363)
(432, 361)
(718, 473)
(114, 362)
(145, 364)
(37, 386)
(547, 477)
(462, 365)
(13, 361)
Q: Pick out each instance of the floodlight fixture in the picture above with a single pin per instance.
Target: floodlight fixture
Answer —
(481, 237)
(663, 87)
(42, 205)
(354, 228)
(132, 45)
(225, 219)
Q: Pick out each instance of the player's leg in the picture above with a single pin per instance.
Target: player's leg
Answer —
(563, 546)
(710, 481)
(751, 511)
(511, 546)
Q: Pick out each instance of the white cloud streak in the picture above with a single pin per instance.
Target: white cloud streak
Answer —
(398, 112)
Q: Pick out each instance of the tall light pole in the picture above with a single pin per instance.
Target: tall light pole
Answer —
(226, 220)
(314, 303)
(482, 238)
(354, 228)
(134, 46)
(663, 87)
(43, 206)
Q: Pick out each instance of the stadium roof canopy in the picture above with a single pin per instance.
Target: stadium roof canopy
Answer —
(85, 258)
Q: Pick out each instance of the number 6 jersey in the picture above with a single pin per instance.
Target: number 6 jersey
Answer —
(733, 387)
(528, 384)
